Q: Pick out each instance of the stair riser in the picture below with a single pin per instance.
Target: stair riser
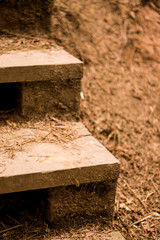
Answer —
(50, 97)
(89, 199)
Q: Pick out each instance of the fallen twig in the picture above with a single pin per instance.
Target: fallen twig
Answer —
(31, 237)
(63, 127)
(156, 189)
(13, 219)
(145, 218)
(141, 220)
(135, 195)
(9, 229)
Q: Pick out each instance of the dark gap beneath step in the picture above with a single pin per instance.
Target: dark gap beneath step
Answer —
(9, 96)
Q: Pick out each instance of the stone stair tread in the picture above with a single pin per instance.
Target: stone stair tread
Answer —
(39, 65)
(44, 164)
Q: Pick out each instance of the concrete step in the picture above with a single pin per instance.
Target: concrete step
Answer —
(80, 172)
(114, 235)
(39, 65)
(76, 167)
(36, 77)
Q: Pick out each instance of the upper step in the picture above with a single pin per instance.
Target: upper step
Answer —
(39, 65)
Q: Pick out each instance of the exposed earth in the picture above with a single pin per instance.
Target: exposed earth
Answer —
(119, 43)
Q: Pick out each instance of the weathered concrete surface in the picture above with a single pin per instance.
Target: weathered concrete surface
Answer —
(49, 81)
(114, 235)
(37, 165)
(39, 65)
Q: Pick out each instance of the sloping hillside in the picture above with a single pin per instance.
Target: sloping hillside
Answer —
(119, 42)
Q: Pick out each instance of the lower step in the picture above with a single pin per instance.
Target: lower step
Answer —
(81, 173)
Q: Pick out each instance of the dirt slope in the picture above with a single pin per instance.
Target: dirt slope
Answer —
(119, 42)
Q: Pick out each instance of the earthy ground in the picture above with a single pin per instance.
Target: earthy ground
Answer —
(119, 42)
